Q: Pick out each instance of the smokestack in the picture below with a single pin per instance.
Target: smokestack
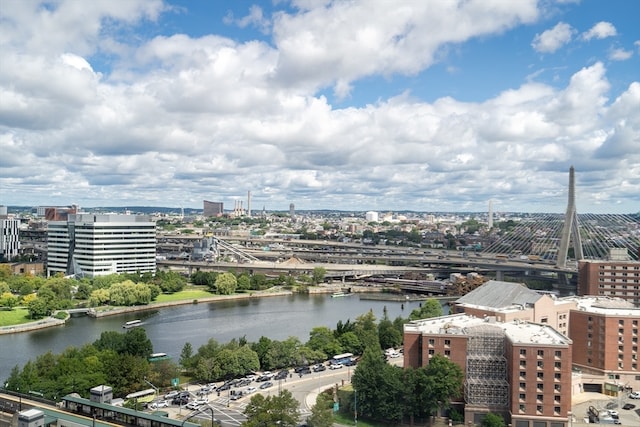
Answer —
(248, 203)
(490, 214)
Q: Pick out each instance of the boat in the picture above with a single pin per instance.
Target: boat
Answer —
(339, 294)
(132, 324)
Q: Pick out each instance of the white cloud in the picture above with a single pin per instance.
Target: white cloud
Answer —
(552, 40)
(183, 119)
(620, 54)
(601, 30)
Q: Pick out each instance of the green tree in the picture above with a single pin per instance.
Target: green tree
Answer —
(322, 339)
(226, 283)
(281, 410)
(444, 380)
(322, 412)
(318, 275)
(492, 420)
(244, 282)
(429, 308)
(186, 356)
(7, 299)
(38, 308)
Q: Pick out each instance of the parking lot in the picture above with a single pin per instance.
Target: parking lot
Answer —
(602, 403)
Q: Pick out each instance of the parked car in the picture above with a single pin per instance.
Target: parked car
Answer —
(319, 368)
(266, 385)
(193, 405)
(201, 401)
(335, 366)
(634, 395)
(237, 395)
(282, 375)
(250, 390)
(628, 406)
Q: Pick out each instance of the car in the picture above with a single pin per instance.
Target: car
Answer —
(224, 387)
(628, 406)
(180, 400)
(319, 368)
(613, 413)
(266, 385)
(634, 395)
(282, 375)
(250, 390)
(335, 366)
(243, 382)
(201, 401)
(171, 394)
(158, 404)
(236, 395)
(192, 405)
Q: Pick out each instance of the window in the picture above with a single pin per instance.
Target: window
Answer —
(432, 342)
(557, 365)
(540, 353)
(539, 398)
(431, 352)
(557, 376)
(523, 352)
(539, 386)
(540, 364)
(523, 386)
(539, 409)
(556, 388)
(522, 396)
(540, 375)
(558, 354)
(523, 363)
(447, 343)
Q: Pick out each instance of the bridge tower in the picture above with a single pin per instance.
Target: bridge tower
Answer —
(570, 232)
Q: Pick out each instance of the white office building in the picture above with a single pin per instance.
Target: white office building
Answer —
(9, 238)
(371, 216)
(97, 245)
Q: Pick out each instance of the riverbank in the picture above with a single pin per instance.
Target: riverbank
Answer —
(98, 312)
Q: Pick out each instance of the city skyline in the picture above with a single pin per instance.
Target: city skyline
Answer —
(330, 105)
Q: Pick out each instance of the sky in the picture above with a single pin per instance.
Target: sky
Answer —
(384, 105)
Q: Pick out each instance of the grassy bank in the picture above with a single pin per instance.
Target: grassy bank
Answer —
(17, 316)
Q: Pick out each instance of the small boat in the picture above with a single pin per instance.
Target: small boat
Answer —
(132, 324)
(339, 294)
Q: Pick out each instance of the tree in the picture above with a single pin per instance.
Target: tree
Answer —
(444, 380)
(322, 339)
(318, 275)
(186, 356)
(429, 308)
(322, 412)
(7, 299)
(226, 283)
(492, 420)
(281, 410)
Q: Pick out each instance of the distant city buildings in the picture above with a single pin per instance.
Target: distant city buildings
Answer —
(95, 245)
(371, 216)
(212, 209)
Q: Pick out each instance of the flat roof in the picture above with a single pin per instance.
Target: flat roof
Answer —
(516, 331)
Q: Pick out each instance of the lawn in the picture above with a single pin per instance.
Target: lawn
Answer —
(16, 316)
(187, 294)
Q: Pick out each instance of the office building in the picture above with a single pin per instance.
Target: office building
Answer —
(213, 209)
(9, 238)
(95, 245)
(615, 278)
(519, 370)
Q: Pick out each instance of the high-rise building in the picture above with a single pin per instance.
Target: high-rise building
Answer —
(95, 245)
(371, 216)
(213, 208)
(292, 210)
(9, 238)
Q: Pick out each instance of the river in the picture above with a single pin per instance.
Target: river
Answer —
(170, 328)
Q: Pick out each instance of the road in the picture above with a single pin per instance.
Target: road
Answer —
(304, 389)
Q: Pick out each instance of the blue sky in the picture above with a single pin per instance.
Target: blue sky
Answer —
(360, 105)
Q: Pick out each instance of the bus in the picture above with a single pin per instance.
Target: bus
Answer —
(342, 359)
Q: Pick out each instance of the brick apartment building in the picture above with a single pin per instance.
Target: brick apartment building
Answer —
(605, 339)
(615, 278)
(518, 369)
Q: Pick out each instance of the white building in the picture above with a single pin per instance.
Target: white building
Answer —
(9, 238)
(371, 216)
(96, 245)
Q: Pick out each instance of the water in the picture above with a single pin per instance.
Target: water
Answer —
(170, 328)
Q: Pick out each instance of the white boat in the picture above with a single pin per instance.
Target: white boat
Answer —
(339, 294)
(132, 324)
